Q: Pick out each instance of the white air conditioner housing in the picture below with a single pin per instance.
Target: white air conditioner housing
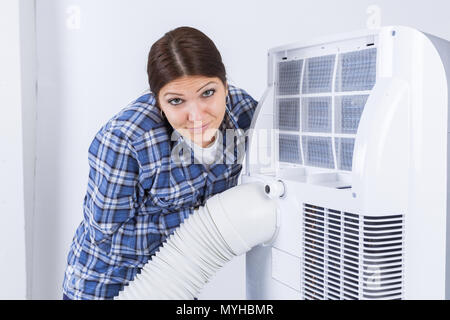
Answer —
(356, 128)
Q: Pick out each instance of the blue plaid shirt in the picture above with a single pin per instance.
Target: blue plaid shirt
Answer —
(137, 194)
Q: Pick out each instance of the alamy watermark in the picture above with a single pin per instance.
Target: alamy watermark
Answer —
(231, 147)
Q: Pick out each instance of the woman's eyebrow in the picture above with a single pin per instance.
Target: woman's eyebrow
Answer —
(206, 85)
(179, 94)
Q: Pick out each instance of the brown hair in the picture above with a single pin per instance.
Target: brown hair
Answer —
(184, 51)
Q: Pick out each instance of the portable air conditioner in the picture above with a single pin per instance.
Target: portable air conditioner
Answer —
(355, 126)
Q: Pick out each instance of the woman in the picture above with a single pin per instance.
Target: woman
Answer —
(141, 184)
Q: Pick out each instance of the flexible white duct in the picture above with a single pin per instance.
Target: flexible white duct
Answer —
(229, 224)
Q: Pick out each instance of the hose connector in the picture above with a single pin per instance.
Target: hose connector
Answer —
(275, 189)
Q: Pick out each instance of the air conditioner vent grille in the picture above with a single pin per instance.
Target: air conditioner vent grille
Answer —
(350, 256)
(320, 99)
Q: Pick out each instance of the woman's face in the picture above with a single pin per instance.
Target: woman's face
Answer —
(194, 106)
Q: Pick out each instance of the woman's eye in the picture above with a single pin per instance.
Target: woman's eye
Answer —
(175, 101)
(209, 92)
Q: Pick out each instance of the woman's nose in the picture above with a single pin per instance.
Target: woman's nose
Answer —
(195, 113)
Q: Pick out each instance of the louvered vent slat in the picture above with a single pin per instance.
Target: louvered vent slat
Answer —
(350, 256)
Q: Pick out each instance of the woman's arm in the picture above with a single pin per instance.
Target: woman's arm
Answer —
(111, 197)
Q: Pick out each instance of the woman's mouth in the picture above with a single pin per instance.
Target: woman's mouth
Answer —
(199, 129)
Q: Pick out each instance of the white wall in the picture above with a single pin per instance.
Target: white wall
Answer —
(17, 141)
(29, 103)
(92, 62)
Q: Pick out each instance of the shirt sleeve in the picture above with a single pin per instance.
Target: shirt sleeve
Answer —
(111, 198)
(244, 106)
